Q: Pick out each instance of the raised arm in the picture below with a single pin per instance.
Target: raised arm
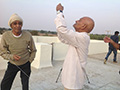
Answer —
(64, 35)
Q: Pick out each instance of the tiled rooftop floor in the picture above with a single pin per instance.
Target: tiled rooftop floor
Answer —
(102, 77)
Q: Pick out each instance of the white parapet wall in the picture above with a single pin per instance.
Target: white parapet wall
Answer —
(45, 39)
(59, 51)
(97, 46)
(50, 48)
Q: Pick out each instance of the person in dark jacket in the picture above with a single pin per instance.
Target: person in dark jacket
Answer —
(115, 38)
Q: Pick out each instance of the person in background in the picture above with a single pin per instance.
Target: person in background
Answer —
(17, 46)
(115, 38)
(73, 71)
(116, 45)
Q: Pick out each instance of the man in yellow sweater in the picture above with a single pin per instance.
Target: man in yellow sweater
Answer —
(18, 48)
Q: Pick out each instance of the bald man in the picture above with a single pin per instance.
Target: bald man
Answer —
(73, 72)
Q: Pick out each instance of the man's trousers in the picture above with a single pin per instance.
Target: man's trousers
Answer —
(11, 72)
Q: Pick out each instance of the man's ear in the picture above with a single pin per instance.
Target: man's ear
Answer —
(11, 25)
(83, 26)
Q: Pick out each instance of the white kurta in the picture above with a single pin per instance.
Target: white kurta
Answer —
(76, 58)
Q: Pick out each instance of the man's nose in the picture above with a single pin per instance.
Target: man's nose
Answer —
(18, 25)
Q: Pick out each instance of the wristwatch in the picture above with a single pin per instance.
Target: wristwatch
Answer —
(59, 11)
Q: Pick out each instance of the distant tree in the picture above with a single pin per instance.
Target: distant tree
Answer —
(9, 29)
(98, 36)
(42, 31)
(52, 32)
(34, 32)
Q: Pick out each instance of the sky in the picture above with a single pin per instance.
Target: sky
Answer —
(40, 14)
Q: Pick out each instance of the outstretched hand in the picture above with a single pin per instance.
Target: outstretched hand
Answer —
(59, 7)
(107, 39)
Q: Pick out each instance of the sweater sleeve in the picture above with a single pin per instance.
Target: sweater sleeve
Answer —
(4, 51)
(32, 49)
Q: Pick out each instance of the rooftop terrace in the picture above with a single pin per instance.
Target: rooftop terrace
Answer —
(101, 76)
(46, 69)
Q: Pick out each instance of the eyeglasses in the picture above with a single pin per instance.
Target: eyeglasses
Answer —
(19, 23)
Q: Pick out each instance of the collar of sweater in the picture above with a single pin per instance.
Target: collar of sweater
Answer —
(17, 36)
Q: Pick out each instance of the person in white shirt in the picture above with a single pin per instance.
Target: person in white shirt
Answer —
(73, 72)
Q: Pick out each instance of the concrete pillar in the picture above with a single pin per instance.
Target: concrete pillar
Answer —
(43, 56)
(3, 63)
